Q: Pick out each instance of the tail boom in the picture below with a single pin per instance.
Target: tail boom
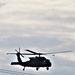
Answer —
(15, 63)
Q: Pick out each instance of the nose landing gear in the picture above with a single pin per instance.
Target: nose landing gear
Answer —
(37, 68)
(23, 68)
(47, 68)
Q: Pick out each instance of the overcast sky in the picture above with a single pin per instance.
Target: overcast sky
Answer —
(40, 25)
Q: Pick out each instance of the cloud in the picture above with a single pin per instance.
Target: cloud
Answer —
(40, 25)
(2, 5)
(35, 11)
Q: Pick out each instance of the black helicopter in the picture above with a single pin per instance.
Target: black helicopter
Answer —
(34, 61)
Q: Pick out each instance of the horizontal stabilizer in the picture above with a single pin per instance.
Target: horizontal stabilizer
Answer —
(15, 63)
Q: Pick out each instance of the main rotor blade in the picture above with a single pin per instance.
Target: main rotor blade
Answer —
(27, 54)
(31, 51)
(56, 52)
(34, 53)
(11, 53)
(22, 54)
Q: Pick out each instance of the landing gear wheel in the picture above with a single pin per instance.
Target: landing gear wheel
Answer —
(23, 68)
(37, 68)
(47, 68)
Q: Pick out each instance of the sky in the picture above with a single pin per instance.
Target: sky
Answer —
(42, 26)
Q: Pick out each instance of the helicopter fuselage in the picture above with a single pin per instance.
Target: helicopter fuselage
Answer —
(33, 62)
(37, 62)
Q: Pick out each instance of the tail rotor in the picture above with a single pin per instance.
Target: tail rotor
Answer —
(18, 52)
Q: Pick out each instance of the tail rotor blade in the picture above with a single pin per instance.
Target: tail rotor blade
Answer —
(21, 55)
(16, 50)
(19, 49)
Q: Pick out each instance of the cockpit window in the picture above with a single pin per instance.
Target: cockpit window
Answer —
(44, 60)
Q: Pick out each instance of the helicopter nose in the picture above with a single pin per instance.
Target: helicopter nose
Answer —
(49, 63)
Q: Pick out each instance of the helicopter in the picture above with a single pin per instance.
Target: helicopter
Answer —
(37, 61)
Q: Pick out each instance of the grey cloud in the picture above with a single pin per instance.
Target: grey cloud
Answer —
(63, 62)
(49, 15)
(45, 15)
(53, 44)
(2, 4)
(55, 21)
(29, 42)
